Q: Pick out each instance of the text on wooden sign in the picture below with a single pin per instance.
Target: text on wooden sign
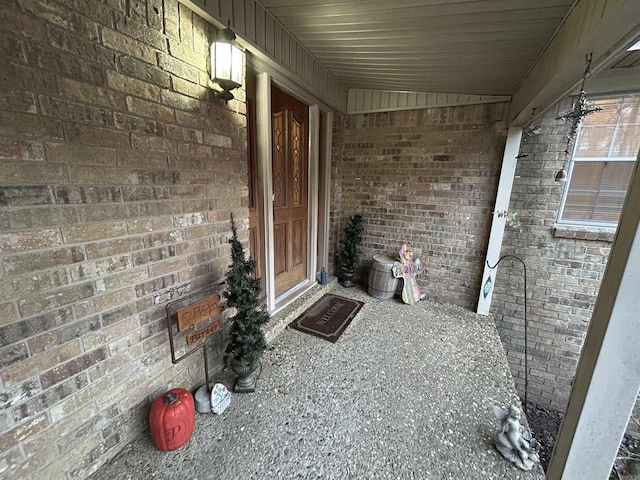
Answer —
(198, 312)
(203, 332)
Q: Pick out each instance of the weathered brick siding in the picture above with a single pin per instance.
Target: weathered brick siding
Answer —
(564, 270)
(427, 177)
(117, 177)
(118, 173)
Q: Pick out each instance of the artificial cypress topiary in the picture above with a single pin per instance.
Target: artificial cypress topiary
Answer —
(349, 254)
(246, 338)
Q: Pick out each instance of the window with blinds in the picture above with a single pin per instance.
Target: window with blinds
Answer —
(606, 148)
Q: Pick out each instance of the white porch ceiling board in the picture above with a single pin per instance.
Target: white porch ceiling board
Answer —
(630, 59)
(428, 42)
(603, 28)
(472, 47)
(362, 11)
(615, 80)
(531, 50)
(481, 22)
(368, 101)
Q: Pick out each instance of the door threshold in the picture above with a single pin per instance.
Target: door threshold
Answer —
(293, 302)
(292, 294)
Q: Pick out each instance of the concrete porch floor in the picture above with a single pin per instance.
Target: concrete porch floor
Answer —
(406, 392)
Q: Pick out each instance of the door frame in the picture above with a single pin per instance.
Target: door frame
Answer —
(264, 82)
(324, 190)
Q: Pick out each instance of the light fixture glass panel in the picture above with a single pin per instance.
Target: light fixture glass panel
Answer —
(236, 65)
(222, 60)
(227, 64)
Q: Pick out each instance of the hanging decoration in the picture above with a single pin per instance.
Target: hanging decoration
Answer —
(487, 287)
(531, 129)
(511, 219)
(581, 108)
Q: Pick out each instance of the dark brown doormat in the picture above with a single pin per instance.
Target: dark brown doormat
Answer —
(328, 318)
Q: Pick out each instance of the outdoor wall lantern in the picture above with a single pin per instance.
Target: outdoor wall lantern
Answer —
(226, 63)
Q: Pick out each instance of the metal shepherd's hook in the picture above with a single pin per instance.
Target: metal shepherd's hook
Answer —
(526, 367)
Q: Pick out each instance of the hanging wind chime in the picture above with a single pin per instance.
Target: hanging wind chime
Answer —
(581, 108)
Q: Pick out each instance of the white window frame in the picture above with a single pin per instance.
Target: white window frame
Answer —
(573, 161)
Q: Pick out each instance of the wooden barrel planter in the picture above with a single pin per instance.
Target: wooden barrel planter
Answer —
(382, 283)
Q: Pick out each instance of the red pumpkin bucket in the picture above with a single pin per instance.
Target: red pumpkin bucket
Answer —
(172, 419)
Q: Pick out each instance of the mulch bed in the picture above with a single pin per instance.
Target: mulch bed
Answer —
(545, 425)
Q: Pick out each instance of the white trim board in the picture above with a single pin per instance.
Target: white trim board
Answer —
(370, 101)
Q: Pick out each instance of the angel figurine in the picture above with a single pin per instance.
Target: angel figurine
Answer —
(514, 442)
(407, 269)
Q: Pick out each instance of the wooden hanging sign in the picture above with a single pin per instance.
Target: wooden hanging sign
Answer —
(203, 332)
(194, 314)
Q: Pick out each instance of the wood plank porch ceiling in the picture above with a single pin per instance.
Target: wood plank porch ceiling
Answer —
(476, 47)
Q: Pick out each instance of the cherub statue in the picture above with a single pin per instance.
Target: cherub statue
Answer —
(408, 268)
(514, 442)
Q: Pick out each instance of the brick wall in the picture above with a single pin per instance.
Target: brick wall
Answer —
(564, 270)
(427, 177)
(118, 173)
(432, 175)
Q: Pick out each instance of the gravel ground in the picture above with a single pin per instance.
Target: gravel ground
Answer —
(406, 392)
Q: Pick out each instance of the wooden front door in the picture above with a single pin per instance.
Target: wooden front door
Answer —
(290, 119)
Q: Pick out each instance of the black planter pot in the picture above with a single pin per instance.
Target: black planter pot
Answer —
(247, 377)
(346, 280)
